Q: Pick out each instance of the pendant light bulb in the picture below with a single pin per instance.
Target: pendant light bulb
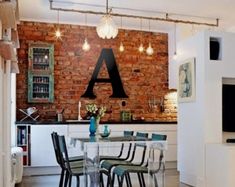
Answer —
(58, 33)
(149, 50)
(86, 46)
(121, 47)
(141, 48)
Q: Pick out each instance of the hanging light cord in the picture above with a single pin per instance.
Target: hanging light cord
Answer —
(107, 6)
(58, 18)
(175, 53)
(86, 25)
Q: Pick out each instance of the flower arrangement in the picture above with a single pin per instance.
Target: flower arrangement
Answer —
(93, 110)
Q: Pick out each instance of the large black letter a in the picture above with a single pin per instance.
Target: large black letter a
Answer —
(118, 91)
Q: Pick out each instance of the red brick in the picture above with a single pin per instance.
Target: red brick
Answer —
(74, 67)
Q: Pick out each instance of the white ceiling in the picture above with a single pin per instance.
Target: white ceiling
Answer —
(38, 10)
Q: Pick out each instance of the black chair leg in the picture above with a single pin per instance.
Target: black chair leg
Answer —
(78, 181)
(129, 178)
(101, 180)
(109, 181)
(61, 178)
(70, 180)
(139, 178)
(128, 182)
(112, 180)
(66, 179)
(155, 180)
(142, 177)
(108, 178)
(120, 181)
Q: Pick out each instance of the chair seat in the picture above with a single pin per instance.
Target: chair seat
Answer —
(121, 170)
(76, 158)
(76, 164)
(108, 164)
(103, 157)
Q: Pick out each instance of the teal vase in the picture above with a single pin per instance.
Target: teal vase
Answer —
(106, 130)
(92, 127)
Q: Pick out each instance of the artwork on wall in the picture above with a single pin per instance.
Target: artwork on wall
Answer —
(186, 81)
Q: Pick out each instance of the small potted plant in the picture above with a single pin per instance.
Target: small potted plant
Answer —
(95, 113)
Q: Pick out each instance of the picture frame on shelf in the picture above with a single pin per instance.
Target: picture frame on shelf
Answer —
(186, 81)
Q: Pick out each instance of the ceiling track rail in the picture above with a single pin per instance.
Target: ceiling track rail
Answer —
(165, 19)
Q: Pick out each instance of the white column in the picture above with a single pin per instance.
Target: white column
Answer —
(1, 115)
(7, 124)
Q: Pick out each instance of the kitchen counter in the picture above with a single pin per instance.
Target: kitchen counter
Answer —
(73, 122)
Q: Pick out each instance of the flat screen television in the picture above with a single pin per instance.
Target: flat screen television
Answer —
(228, 108)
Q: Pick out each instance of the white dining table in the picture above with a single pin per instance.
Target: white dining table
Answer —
(94, 147)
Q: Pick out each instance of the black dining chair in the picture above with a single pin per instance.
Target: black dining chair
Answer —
(79, 171)
(75, 162)
(120, 156)
(123, 171)
(138, 147)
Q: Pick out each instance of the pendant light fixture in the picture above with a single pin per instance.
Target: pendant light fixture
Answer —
(58, 32)
(121, 47)
(86, 46)
(149, 50)
(107, 28)
(141, 47)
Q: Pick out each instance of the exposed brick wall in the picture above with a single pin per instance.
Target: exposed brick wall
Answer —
(143, 76)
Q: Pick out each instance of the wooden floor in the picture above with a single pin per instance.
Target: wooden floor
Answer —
(171, 180)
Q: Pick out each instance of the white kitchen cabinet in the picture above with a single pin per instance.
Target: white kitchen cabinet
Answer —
(42, 151)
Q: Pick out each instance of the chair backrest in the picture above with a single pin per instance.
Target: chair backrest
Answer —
(128, 133)
(64, 153)
(54, 137)
(157, 137)
(141, 135)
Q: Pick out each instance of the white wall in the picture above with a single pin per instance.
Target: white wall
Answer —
(191, 117)
(200, 122)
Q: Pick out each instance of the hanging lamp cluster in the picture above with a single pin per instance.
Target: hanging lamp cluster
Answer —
(107, 29)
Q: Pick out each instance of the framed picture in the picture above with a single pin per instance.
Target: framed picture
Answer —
(186, 81)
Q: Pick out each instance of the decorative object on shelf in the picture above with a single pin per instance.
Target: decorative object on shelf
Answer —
(79, 111)
(125, 116)
(106, 132)
(186, 81)
(41, 73)
(95, 113)
(107, 28)
(29, 113)
(60, 115)
(153, 103)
